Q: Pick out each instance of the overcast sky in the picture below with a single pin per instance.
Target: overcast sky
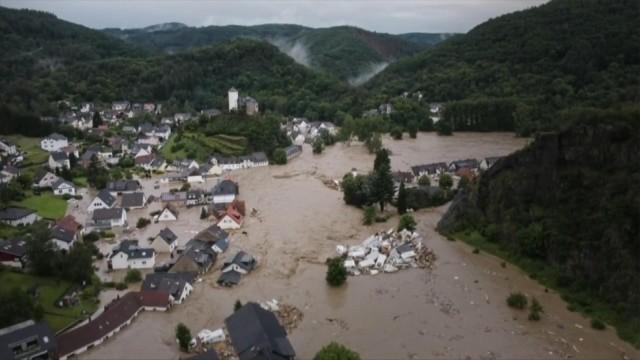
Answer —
(393, 16)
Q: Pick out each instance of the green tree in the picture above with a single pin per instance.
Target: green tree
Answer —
(445, 181)
(402, 199)
(535, 310)
(279, 156)
(381, 181)
(335, 351)
(517, 300)
(396, 133)
(97, 119)
(412, 128)
(237, 306)
(133, 276)
(143, 222)
(373, 143)
(444, 127)
(77, 265)
(354, 190)
(17, 306)
(318, 146)
(42, 256)
(407, 222)
(183, 334)
(204, 213)
(424, 180)
(369, 215)
(336, 272)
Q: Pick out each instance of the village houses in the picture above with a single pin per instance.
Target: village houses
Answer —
(128, 255)
(54, 142)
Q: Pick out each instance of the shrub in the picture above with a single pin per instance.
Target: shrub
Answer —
(143, 222)
(407, 222)
(369, 215)
(91, 237)
(204, 214)
(598, 324)
(335, 351)
(424, 180)
(336, 272)
(535, 310)
(445, 182)
(121, 286)
(412, 128)
(476, 251)
(185, 187)
(237, 306)
(318, 146)
(133, 276)
(279, 156)
(517, 301)
(396, 133)
(183, 334)
(66, 197)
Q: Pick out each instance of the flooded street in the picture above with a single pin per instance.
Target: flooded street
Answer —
(457, 310)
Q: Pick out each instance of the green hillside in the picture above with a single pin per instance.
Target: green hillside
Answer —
(544, 59)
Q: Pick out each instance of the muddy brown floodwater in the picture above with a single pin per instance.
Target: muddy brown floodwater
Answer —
(456, 310)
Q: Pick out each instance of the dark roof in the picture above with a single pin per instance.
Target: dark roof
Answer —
(492, 160)
(133, 251)
(293, 149)
(56, 136)
(200, 253)
(259, 157)
(40, 174)
(21, 333)
(207, 355)
(61, 181)
(114, 315)
(467, 163)
(59, 156)
(62, 234)
(16, 247)
(106, 197)
(167, 235)
(225, 187)
(243, 260)
(170, 283)
(428, 168)
(124, 185)
(256, 334)
(222, 244)
(229, 278)
(14, 213)
(211, 234)
(135, 199)
(107, 214)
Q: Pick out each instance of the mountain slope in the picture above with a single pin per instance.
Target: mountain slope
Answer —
(567, 209)
(563, 53)
(345, 52)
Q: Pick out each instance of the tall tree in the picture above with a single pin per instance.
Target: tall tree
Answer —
(97, 119)
(381, 188)
(402, 199)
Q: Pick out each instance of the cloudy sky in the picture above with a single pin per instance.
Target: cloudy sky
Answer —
(393, 16)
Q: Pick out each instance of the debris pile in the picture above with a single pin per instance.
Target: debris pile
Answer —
(388, 252)
(289, 316)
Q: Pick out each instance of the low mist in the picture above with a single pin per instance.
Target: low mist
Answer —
(296, 50)
(368, 73)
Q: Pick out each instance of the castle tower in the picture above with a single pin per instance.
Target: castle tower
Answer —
(233, 99)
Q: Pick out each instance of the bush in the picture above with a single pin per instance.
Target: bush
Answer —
(237, 306)
(121, 286)
(407, 222)
(598, 324)
(412, 128)
(143, 222)
(424, 180)
(204, 214)
(445, 182)
(77, 197)
(517, 301)
(66, 197)
(396, 133)
(335, 351)
(279, 156)
(133, 276)
(535, 310)
(369, 215)
(336, 272)
(183, 334)
(185, 187)
(476, 251)
(91, 237)
(318, 146)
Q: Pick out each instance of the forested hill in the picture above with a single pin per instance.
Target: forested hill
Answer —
(566, 208)
(32, 41)
(346, 52)
(557, 55)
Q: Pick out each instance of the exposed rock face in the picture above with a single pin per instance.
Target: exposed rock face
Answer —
(572, 200)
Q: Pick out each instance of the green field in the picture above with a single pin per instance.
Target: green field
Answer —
(34, 156)
(49, 290)
(199, 146)
(46, 204)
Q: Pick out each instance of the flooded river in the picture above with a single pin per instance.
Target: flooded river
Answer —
(457, 310)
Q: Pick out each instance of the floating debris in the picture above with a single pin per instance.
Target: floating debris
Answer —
(387, 252)
(289, 316)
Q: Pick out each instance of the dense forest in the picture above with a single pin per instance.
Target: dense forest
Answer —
(561, 54)
(566, 208)
(345, 52)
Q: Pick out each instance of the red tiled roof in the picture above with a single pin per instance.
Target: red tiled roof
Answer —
(114, 315)
(69, 223)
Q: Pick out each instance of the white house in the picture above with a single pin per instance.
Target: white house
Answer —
(168, 214)
(8, 147)
(62, 238)
(59, 160)
(128, 255)
(15, 216)
(165, 242)
(178, 285)
(44, 179)
(115, 217)
(195, 176)
(63, 187)
(104, 200)
(486, 163)
(54, 142)
(225, 192)
(233, 99)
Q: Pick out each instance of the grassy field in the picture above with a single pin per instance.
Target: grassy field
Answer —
(81, 181)
(7, 231)
(34, 156)
(46, 204)
(200, 146)
(49, 291)
(548, 276)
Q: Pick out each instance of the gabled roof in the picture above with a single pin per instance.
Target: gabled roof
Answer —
(429, 168)
(133, 251)
(130, 200)
(59, 156)
(16, 247)
(69, 223)
(62, 234)
(170, 283)
(211, 234)
(124, 185)
(61, 182)
(15, 213)
(243, 260)
(23, 332)
(225, 187)
(256, 334)
(106, 197)
(167, 235)
(40, 174)
(467, 163)
(171, 209)
(107, 214)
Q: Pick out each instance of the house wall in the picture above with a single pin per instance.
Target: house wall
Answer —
(119, 261)
(65, 190)
(47, 181)
(147, 263)
(62, 245)
(194, 179)
(223, 199)
(166, 215)
(161, 246)
(185, 293)
(27, 220)
(51, 145)
(56, 165)
(97, 203)
(227, 223)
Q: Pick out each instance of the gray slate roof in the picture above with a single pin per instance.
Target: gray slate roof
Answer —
(14, 213)
(225, 187)
(170, 283)
(256, 334)
(130, 200)
(59, 156)
(27, 331)
(430, 169)
(133, 251)
(106, 197)
(16, 247)
(167, 235)
(62, 234)
(107, 214)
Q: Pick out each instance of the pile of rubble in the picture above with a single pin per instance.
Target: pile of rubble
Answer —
(289, 316)
(388, 252)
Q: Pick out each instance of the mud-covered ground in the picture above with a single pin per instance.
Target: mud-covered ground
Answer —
(456, 310)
